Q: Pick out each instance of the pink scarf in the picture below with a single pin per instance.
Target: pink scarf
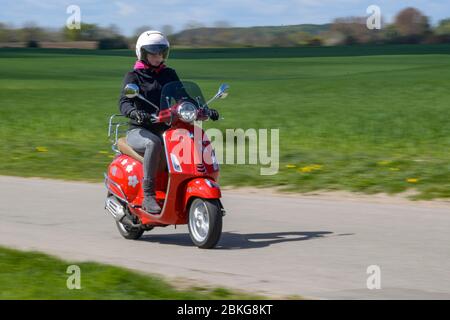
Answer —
(141, 65)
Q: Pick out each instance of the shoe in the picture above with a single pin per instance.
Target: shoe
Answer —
(150, 205)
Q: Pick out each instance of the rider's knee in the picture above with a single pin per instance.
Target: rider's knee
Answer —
(154, 144)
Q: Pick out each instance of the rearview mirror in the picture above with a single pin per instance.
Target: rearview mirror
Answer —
(131, 90)
(222, 93)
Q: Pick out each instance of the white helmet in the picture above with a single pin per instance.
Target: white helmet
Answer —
(152, 42)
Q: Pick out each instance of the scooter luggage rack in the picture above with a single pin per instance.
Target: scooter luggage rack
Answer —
(117, 131)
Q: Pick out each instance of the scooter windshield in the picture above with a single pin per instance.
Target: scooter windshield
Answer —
(176, 91)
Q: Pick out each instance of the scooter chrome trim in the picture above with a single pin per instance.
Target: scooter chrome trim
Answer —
(168, 175)
(108, 180)
(167, 154)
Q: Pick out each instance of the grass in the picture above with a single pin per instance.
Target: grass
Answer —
(32, 275)
(366, 123)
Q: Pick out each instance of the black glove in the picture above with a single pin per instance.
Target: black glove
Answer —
(213, 114)
(140, 116)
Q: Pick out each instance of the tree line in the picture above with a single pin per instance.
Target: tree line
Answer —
(409, 26)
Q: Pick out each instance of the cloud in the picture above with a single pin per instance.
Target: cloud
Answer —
(125, 9)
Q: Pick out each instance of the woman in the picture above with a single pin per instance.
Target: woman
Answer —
(150, 74)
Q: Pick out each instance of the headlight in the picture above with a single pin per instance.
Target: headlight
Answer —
(187, 112)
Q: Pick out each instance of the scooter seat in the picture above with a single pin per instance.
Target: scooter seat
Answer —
(125, 148)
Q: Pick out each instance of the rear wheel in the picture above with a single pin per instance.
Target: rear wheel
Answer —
(126, 231)
(205, 222)
(129, 232)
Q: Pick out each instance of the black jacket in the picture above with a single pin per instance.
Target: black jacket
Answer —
(150, 83)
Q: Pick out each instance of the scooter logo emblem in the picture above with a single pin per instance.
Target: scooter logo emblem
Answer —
(133, 181)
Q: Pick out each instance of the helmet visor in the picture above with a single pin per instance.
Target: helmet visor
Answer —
(156, 49)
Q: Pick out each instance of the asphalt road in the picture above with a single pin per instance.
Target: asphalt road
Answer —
(276, 245)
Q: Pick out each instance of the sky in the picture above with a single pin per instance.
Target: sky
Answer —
(129, 15)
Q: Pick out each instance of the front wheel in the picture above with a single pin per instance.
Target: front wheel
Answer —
(205, 222)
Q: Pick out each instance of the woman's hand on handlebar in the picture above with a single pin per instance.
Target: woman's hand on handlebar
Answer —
(142, 117)
(213, 114)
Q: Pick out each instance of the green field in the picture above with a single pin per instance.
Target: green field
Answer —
(349, 119)
(32, 275)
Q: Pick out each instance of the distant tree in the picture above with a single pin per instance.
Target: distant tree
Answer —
(116, 42)
(441, 34)
(443, 27)
(32, 44)
(110, 38)
(10, 34)
(299, 37)
(280, 39)
(87, 32)
(3, 32)
(52, 34)
(390, 34)
(315, 41)
(332, 38)
(412, 25)
(111, 31)
(31, 32)
(354, 30)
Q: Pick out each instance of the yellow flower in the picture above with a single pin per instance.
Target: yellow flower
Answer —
(290, 166)
(103, 152)
(41, 149)
(412, 180)
(310, 168)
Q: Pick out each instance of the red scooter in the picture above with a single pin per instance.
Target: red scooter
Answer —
(186, 182)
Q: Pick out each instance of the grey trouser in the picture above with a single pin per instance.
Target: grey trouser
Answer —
(150, 145)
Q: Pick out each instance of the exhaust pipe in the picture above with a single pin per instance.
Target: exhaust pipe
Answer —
(115, 208)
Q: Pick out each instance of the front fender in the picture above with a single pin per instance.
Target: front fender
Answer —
(202, 188)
